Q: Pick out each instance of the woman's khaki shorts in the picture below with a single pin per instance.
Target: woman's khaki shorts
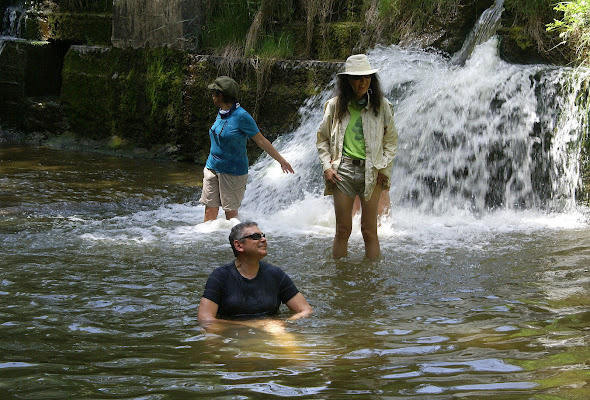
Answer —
(223, 190)
(353, 178)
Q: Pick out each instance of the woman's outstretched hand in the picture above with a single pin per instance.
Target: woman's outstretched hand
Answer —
(286, 167)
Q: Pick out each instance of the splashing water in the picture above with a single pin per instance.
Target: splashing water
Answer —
(484, 29)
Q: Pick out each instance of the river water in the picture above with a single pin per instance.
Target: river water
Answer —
(482, 289)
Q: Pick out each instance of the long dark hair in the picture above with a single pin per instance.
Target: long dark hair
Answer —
(344, 94)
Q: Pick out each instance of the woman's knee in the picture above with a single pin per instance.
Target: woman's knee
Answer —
(343, 230)
(369, 231)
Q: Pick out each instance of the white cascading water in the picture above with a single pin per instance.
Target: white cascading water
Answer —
(485, 137)
(12, 21)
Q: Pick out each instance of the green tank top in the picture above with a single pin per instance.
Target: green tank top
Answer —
(354, 139)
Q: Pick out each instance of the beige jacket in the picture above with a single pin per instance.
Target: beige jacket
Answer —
(380, 142)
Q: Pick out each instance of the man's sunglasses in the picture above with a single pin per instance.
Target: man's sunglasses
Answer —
(254, 236)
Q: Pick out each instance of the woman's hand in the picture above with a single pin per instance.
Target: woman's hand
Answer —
(267, 146)
(331, 176)
(285, 166)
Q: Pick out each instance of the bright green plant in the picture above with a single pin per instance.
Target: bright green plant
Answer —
(276, 46)
(574, 27)
(227, 23)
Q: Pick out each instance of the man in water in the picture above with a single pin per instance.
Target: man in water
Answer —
(247, 291)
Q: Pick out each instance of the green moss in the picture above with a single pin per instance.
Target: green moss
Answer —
(337, 40)
(522, 39)
(85, 5)
(87, 91)
(133, 94)
(116, 142)
(81, 28)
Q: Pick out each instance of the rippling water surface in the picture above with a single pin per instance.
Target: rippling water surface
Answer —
(103, 261)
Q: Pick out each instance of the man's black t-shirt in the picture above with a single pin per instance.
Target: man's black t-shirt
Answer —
(239, 297)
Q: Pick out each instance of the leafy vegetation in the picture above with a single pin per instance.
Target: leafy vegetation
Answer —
(276, 46)
(574, 27)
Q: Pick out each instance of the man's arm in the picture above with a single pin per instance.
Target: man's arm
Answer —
(299, 306)
(207, 317)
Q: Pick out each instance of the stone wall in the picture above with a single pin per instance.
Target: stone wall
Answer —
(159, 97)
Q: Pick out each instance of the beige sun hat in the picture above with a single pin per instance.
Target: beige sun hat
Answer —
(358, 64)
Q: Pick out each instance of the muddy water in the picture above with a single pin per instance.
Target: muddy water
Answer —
(103, 261)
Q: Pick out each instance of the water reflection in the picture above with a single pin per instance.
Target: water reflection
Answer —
(99, 292)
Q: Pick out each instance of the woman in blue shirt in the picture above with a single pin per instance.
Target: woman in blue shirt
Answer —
(226, 171)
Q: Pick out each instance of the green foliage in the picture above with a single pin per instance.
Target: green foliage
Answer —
(574, 26)
(529, 8)
(276, 46)
(228, 22)
(417, 7)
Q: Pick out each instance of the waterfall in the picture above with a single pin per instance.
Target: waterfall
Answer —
(484, 29)
(488, 135)
(12, 21)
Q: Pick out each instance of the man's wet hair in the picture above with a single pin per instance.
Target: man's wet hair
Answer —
(237, 232)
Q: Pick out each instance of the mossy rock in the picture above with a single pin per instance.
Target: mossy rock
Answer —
(337, 40)
(84, 28)
(87, 90)
(154, 97)
(134, 94)
(517, 46)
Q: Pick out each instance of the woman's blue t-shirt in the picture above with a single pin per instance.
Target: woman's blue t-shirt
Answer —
(229, 136)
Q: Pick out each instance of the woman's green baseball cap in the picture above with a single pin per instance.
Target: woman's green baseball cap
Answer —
(225, 85)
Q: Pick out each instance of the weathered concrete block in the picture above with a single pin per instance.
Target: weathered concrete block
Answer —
(87, 28)
(159, 96)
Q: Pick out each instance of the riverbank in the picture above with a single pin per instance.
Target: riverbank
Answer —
(113, 146)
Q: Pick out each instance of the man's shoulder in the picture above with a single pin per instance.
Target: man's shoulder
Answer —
(271, 268)
(224, 269)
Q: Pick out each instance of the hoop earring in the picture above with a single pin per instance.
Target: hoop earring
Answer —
(370, 91)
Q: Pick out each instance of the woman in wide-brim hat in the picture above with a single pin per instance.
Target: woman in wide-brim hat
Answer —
(226, 172)
(357, 142)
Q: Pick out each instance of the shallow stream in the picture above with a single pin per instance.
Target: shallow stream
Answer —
(103, 261)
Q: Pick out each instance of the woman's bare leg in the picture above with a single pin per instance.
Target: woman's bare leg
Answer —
(369, 224)
(343, 211)
(229, 214)
(211, 213)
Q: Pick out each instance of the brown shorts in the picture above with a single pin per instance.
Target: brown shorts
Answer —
(223, 190)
